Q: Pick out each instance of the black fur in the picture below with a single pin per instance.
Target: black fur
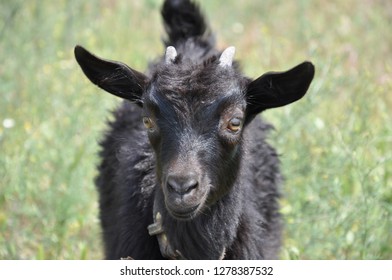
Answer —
(202, 154)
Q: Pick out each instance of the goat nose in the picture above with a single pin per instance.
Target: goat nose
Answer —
(182, 184)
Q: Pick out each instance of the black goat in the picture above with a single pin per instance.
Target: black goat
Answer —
(188, 173)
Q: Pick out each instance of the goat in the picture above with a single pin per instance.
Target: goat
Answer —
(187, 172)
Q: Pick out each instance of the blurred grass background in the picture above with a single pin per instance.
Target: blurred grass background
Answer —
(336, 143)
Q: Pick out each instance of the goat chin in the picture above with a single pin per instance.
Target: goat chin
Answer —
(184, 213)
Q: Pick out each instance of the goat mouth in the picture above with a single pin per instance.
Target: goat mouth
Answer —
(185, 214)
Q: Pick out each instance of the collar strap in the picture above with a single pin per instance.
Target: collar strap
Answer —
(156, 228)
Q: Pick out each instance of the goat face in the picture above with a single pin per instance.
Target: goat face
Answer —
(195, 115)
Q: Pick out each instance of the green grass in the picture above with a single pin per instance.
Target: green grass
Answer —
(336, 143)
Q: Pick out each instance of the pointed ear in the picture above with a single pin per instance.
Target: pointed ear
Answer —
(277, 89)
(114, 77)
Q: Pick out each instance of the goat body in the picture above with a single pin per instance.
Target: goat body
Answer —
(191, 149)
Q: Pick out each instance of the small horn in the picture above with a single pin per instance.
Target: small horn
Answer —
(170, 54)
(226, 58)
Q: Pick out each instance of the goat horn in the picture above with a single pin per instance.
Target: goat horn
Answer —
(226, 58)
(170, 54)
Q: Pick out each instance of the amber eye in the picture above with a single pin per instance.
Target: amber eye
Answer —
(148, 123)
(234, 124)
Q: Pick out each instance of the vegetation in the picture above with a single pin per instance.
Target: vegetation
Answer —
(336, 143)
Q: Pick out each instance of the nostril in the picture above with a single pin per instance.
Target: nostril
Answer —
(181, 185)
(170, 187)
(190, 185)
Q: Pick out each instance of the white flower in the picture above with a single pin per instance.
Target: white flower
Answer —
(8, 123)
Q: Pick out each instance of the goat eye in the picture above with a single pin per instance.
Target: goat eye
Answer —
(234, 124)
(148, 123)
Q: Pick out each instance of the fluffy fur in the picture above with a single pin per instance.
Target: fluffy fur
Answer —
(203, 156)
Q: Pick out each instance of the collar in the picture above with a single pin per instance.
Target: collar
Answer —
(156, 228)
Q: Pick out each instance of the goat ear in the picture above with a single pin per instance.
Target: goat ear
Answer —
(114, 77)
(276, 89)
